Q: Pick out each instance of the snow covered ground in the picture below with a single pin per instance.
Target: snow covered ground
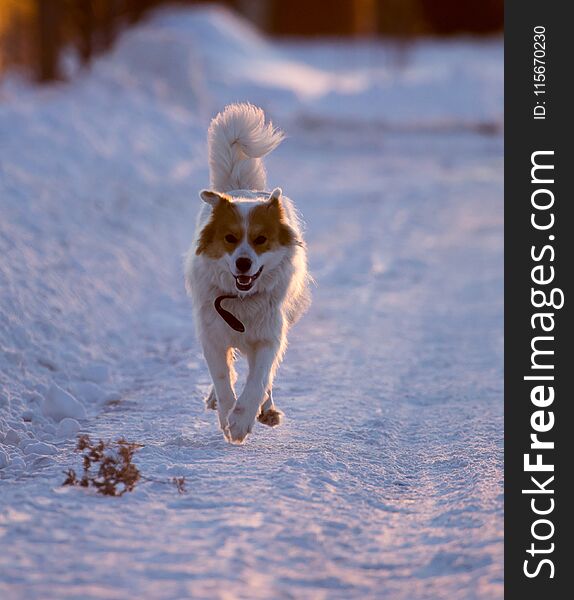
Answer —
(386, 479)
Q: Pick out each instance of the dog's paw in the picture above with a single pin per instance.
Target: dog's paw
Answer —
(211, 400)
(239, 425)
(270, 417)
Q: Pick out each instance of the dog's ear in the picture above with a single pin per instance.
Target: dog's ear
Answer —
(275, 197)
(287, 236)
(213, 198)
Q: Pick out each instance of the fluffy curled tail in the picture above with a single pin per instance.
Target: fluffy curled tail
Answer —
(238, 138)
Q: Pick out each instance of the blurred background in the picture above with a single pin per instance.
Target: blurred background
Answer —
(34, 34)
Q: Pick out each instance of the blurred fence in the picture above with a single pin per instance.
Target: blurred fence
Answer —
(34, 33)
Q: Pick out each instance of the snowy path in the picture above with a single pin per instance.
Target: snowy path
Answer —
(385, 481)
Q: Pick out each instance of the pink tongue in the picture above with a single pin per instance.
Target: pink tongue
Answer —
(244, 279)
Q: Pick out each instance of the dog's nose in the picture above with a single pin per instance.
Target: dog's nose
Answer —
(243, 264)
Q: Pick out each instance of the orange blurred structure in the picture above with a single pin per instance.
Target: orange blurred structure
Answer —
(34, 32)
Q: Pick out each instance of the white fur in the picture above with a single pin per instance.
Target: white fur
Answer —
(238, 139)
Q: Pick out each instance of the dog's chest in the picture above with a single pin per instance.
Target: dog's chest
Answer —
(259, 315)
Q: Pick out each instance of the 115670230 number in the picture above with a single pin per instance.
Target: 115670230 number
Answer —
(539, 70)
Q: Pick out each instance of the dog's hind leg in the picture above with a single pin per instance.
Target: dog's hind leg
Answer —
(268, 403)
(211, 400)
(269, 414)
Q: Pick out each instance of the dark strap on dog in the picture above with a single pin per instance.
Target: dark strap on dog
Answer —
(230, 319)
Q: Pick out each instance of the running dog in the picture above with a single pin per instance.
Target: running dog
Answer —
(246, 270)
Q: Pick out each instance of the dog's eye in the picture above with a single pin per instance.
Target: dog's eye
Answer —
(230, 239)
(259, 240)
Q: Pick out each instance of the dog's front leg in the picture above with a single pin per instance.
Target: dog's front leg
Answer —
(262, 363)
(220, 364)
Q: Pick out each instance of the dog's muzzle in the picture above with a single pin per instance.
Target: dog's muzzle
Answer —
(245, 282)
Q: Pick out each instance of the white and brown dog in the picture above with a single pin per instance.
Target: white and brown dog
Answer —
(248, 253)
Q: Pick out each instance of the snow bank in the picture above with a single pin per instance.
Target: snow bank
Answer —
(87, 172)
(59, 404)
(418, 84)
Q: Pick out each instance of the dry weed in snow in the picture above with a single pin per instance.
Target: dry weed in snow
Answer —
(116, 473)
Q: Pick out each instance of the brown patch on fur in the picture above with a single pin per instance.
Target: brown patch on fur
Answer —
(268, 228)
(225, 220)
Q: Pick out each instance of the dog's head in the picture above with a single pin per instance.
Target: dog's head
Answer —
(246, 239)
